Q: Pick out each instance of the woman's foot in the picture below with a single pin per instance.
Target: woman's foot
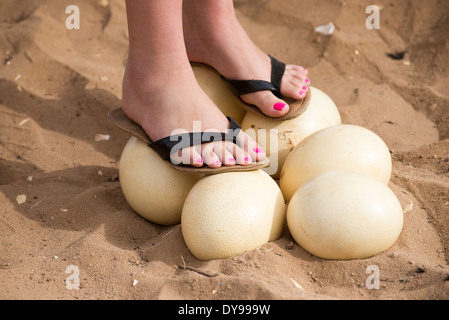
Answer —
(164, 98)
(160, 91)
(214, 36)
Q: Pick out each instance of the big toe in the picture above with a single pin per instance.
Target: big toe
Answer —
(267, 102)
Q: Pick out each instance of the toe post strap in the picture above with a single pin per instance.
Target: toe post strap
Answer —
(242, 87)
(172, 144)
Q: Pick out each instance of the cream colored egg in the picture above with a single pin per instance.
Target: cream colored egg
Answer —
(231, 213)
(152, 188)
(344, 215)
(219, 92)
(343, 147)
(283, 136)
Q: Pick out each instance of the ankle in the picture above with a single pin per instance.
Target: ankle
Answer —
(206, 33)
(155, 74)
(211, 16)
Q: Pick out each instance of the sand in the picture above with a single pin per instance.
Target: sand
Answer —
(61, 202)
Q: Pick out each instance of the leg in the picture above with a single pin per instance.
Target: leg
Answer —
(160, 91)
(214, 36)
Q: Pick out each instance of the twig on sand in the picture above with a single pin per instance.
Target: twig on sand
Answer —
(38, 202)
(184, 267)
(206, 274)
(183, 262)
(167, 234)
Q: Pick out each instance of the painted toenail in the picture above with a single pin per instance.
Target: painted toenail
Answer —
(199, 161)
(279, 106)
(217, 162)
(307, 80)
(304, 88)
(231, 160)
(257, 150)
(301, 93)
(247, 159)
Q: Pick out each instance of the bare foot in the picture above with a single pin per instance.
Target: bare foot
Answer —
(214, 36)
(165, 97)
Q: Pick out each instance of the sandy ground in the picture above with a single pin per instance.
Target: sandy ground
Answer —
(56, 86)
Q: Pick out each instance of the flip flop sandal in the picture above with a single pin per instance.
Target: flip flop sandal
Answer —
(241, 87)
(165, 146)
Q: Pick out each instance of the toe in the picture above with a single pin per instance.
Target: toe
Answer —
(224, 156)
(297, 71)
(293, 87)
(251, 148)
(188, 156)
(228, 159)
(241, 157)
(256, 153)
(194, 157)
(210, 157)
(298, 77)
(267, 102)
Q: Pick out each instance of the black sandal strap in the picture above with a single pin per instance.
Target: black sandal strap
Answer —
(277, 72)
(242, 87)
(172, 144)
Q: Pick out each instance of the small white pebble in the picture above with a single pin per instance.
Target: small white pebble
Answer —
(21, 198)
(408, 207)
(21, 123)
(102, 137)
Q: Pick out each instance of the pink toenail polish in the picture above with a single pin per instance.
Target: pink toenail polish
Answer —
(305, 69)
(199, 161)
(279, 106)
(301, 93)
(257, 150)
(307, 80)
(231, 160)
(217, 162)
(247, 159)
(304, 88)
